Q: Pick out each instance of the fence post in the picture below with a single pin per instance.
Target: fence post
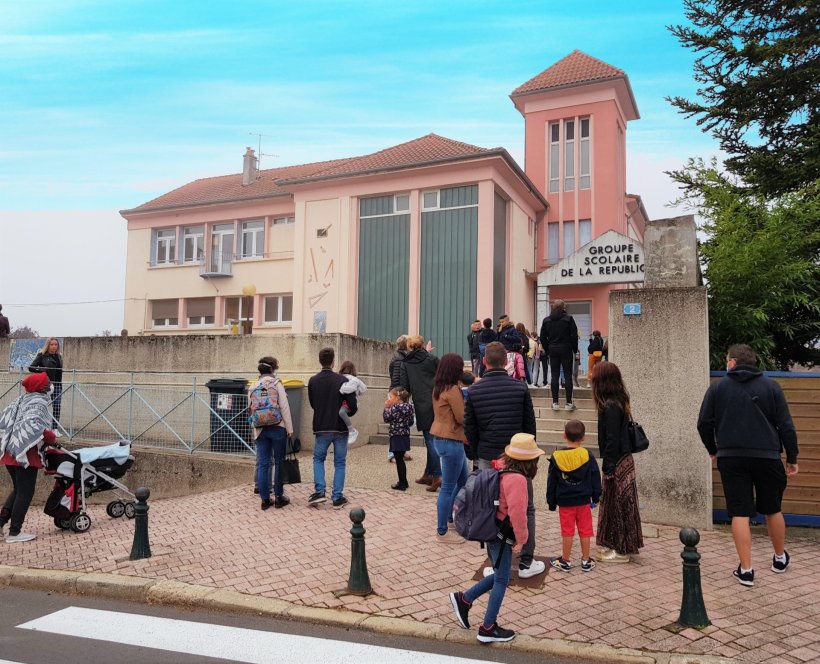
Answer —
(130, 405)
(73, 393)
(692, 608)
(193, 415)
(141, 548)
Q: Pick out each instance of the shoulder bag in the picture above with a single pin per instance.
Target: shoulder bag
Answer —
(638, 442)
(289, 473)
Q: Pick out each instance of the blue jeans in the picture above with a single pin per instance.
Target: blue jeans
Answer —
(433, 467)
(320, 447)
(453, 476)
(495, 583)
(271, 442)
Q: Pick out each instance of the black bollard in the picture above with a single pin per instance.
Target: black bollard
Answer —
(141, 547)
(692, 608)
(359, 581)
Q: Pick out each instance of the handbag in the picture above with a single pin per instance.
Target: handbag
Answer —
(638, 442)
(289, 472)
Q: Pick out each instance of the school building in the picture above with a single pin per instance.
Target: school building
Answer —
(421, 237)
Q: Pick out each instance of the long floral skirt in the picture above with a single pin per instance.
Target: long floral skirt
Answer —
(619, 521)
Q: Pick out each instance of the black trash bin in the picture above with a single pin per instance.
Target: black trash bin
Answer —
(229, 415)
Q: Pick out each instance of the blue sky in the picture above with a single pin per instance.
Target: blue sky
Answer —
(105, 105)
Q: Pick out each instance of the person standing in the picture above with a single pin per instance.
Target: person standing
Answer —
(508, 335)
(744, 424)
(486, 336)
(398, 413)
(559, 339)
(50, 361)
(448, 439)
(497, 408)
(472, 344)
(619, 521)
(23, 431)
(525, 350)
(396, 361)
(418, 372)
(271, 440)
(5, 328)
(329, 429)
(595, 350)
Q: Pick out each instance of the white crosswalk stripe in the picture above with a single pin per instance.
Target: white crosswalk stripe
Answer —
(231, 643)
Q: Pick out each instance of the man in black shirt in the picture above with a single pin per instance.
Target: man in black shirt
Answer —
(559, 340)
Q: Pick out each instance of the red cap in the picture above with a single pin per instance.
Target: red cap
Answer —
(37, 382)
(49, 437)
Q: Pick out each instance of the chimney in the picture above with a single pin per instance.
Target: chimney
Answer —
(248, 167)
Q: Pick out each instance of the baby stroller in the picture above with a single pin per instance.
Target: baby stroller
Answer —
(80, 474)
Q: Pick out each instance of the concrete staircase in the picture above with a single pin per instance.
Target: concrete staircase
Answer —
(549, 424)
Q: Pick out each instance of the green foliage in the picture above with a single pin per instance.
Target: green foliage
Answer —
(758, 72)
(762, 264)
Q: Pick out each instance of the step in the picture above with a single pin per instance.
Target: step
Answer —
(583, 414)
(546, 402)
(549, 446)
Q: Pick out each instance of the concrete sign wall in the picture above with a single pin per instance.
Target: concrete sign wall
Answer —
(609, 258)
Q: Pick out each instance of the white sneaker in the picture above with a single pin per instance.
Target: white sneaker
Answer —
(20, 537)
(535, 568)
(352, 435)
(488, 571)
(556, 406)
(570, 406)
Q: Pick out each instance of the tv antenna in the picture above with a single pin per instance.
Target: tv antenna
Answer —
(259, 153)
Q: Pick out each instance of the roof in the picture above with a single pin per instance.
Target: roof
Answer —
(576, 68)
(428, 150)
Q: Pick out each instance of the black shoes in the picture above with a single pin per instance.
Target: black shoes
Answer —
(744, 578)
(461, 608)
(779, 567)
(266, 504)
(494, 634)
(281, 501)
(339, 503)
(398, 486)
(316, 498)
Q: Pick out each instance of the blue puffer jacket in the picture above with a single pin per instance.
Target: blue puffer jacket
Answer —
(497, 408)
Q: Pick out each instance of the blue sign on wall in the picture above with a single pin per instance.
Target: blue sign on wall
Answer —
(633, 309)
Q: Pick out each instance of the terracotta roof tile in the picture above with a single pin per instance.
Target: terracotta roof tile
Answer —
(577, 67)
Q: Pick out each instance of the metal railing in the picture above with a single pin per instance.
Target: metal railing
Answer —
(217, 264)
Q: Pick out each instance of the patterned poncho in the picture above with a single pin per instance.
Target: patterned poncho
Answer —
(22, 423)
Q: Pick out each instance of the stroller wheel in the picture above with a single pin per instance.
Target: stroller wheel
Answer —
(130, 510)
(62, 524)
(80, 523)
(115, 509)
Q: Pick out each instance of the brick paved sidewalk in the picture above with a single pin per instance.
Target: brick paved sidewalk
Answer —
(302, 554)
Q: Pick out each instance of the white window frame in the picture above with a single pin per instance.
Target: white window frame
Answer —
(569, 246)
(199, 321)
(197, 234)
(168, 238)
(242, 315)
(569, 155)
(284, 221)
(257, 234)
(584, 179)
(553, 248)
(165, 322)
(554, 158)
(396, 204)
(424, 206)
(279, 297)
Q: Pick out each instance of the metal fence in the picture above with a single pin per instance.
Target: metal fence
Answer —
(180, 416)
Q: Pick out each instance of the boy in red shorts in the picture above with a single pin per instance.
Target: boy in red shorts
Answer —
(574, 486)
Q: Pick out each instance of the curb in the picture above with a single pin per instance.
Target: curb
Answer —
(176, 593)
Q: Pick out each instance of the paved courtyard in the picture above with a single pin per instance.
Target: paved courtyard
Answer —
(301, 554)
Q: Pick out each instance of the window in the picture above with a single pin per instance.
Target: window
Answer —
(221, 248)
(253, 238)
(569, 238)
(164, 313)
(193, 244)
(552, 242)
(583, 172)
(238, 309)
(569, 155)
(284, 221)
(166, 246)
(584, 232)
(430, 200)
(200, 311)
(401, 203)
(279, 308)
(555, 159)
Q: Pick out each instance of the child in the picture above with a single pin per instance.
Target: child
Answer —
(352, 386)
(464, 383)
(515, 366)
(399, 415)
(574, 485)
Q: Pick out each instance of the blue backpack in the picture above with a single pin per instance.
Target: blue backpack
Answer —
(476, 505)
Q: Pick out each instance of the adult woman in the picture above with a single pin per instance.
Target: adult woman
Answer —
(50, 361)
(448, 440)
(395, 362)
(619, 522)
(271, 439)
(596, 352)
(23, 430)
(418, 371)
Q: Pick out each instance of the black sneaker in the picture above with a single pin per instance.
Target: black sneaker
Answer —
(316, 498)
(494, 633)
(462, 609)
(339, 503)
(398, 486)
(281, 502)
(779, 567)
(266, 504)
(587, 565)
(745, 578)
(560, 564)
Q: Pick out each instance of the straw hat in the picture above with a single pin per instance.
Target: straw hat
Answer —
(523, 447)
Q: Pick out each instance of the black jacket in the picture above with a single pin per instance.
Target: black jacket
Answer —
(472, 344)
(5, 328)
(596, 343)
(574, 478)
(745, 414)
(50, 363)
(395, 368)
(487, 335)
(613, 442)
(497, 408)
(417, 373)
(559, 333)
(510, 338)
(325, 399)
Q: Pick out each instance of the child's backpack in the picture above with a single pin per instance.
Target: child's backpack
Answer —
(515, 365)
(476, 505)
(263, 404)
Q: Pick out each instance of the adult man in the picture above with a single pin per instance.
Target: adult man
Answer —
(5, 330)
(508, 335)
(744, 422)
(559, 339)
(329, 429)
(497, 408)
(472, 344)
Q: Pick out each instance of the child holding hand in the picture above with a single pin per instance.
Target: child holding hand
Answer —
(399, 414)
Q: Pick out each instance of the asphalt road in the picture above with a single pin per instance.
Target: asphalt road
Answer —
(42, 628)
